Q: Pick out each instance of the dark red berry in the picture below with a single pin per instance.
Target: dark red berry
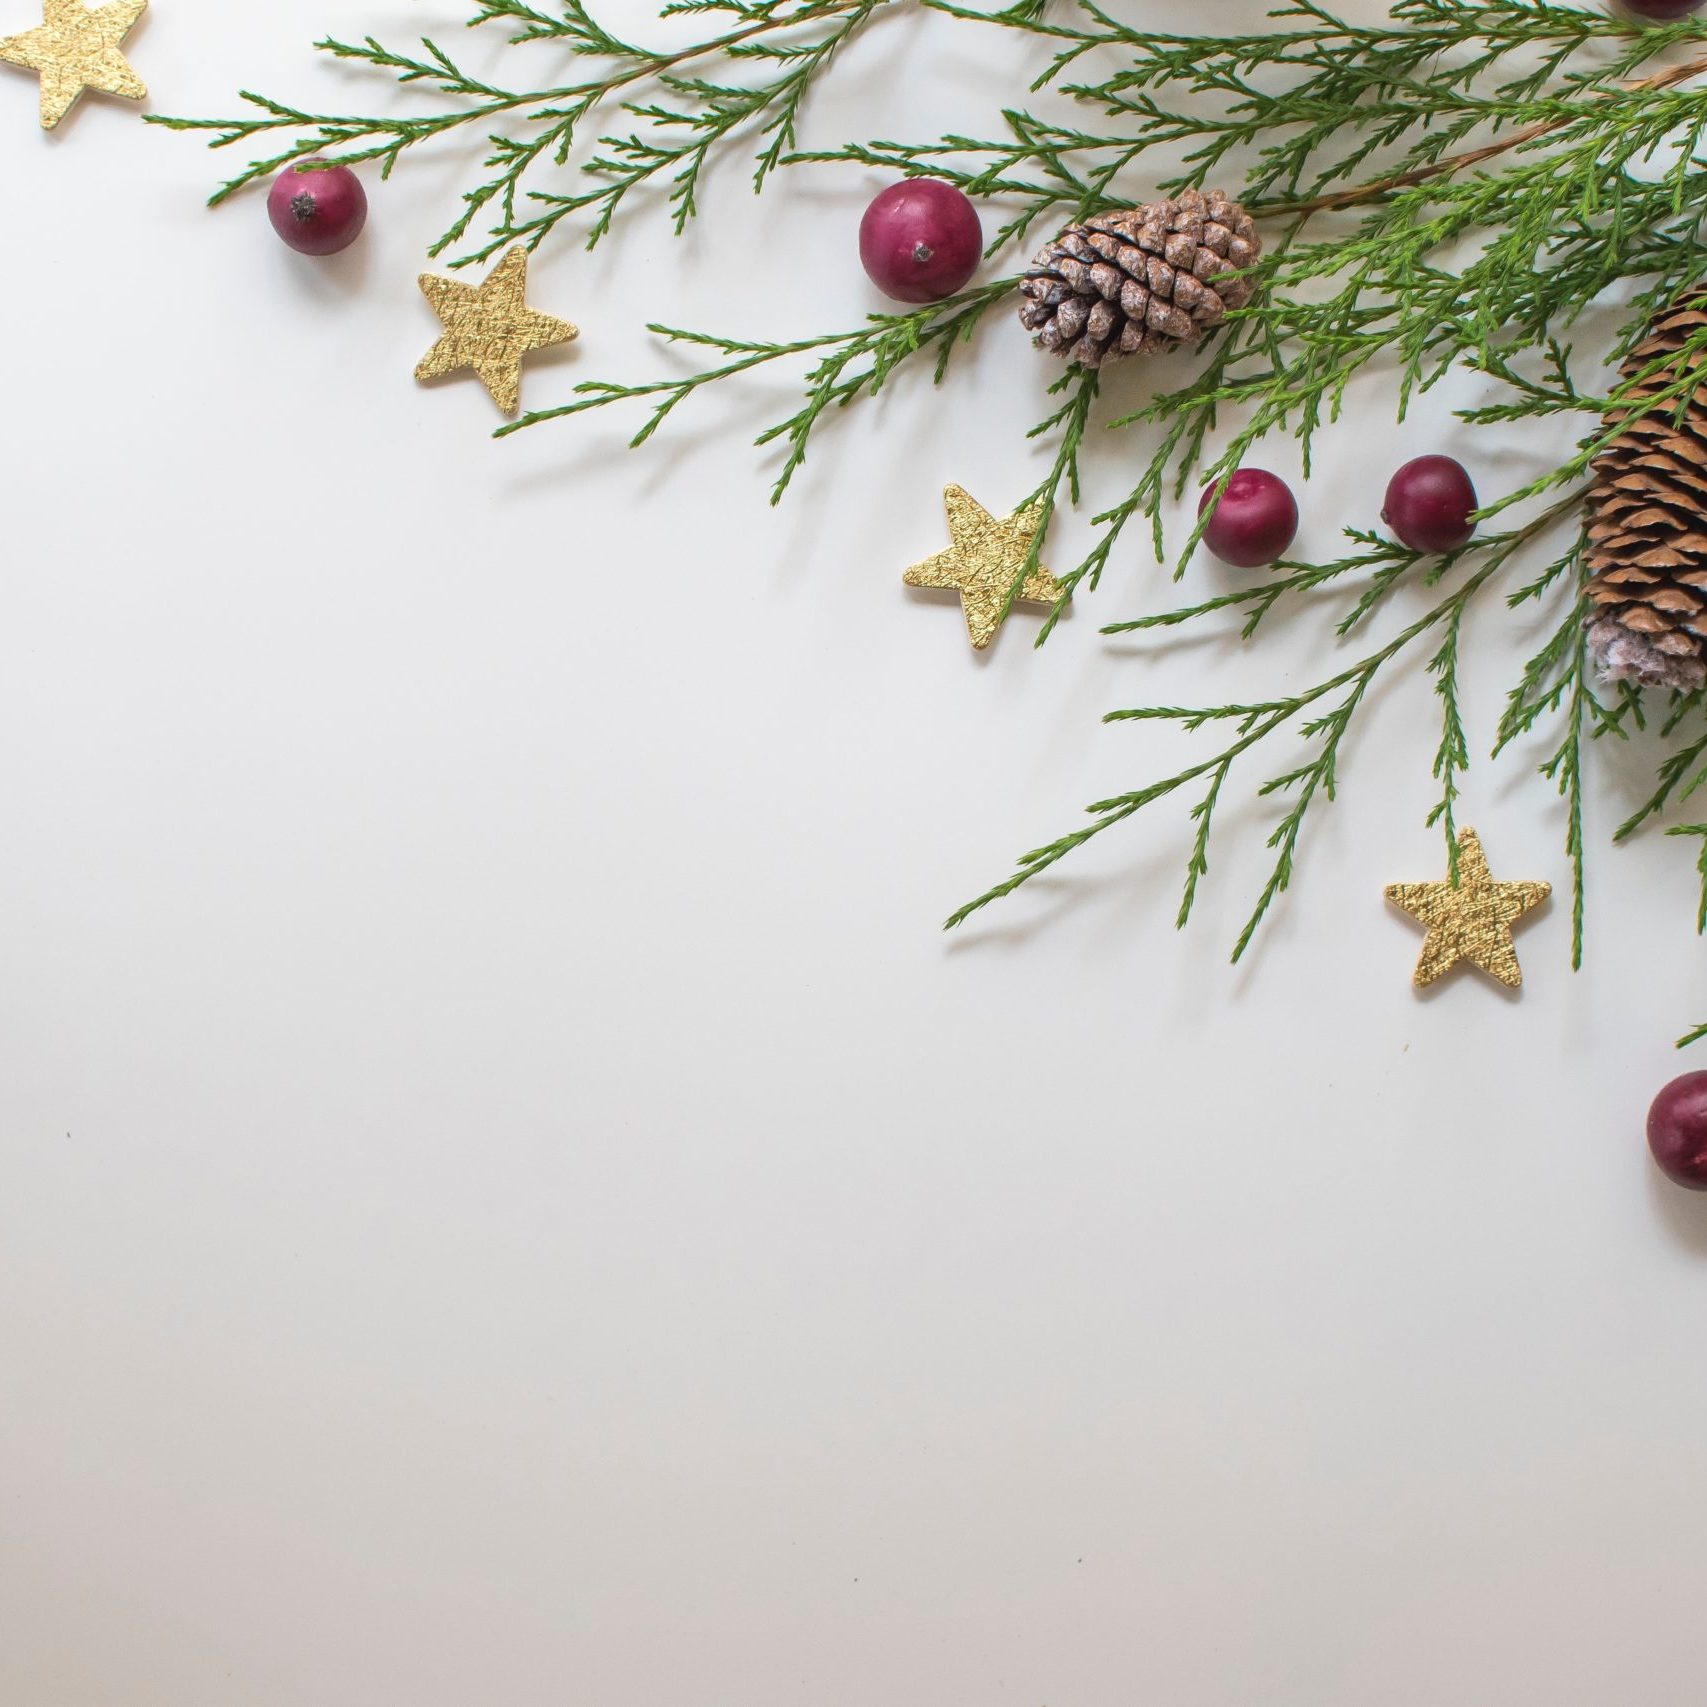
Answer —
(1677, 1131)
(1660, 11)
(1430, 503)
(1255, 520)
(920, 240)
(318, 213)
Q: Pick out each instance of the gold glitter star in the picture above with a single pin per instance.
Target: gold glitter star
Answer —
(490, 328)
(982, 562)
(1470, 919)
(76, 48)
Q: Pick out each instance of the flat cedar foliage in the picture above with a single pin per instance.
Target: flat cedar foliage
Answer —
(1472, 183)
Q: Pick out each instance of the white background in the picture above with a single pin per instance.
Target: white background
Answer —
(506, 1196)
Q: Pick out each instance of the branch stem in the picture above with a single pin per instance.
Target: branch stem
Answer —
(1472, 157)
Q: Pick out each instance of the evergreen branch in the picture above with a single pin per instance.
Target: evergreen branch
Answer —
(1453, 755)
(846, 366)
(539, 127)
(1326, 725)
(1457, 186)
(1699, 831)
(1681, 772)
(1071, 421)
(1469, 159)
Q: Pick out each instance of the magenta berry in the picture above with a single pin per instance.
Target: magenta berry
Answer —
(1677, 1131)
(920, 240)
(1254, 522)
(1429, 505)
(1660, 11)
(318, 213)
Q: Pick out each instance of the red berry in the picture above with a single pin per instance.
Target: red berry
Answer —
(1430, 503)
(318, 213)
(1254, 522)
(1660, 11)
(920, 240)
(1677, 1131)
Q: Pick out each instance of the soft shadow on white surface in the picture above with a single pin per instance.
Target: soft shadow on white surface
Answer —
(1682, 1213)
(506, 1194)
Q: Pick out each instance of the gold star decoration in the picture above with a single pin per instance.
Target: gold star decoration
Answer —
(76, 47)
(983, 561)
(1470, 919)
(490, 328)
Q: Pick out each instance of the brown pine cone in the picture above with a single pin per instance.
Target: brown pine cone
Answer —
(1647, 532)
(1142, 281)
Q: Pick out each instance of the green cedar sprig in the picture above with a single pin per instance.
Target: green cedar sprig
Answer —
(1512, 186)
(532, 133)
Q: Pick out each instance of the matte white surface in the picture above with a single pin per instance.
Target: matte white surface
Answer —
(505, 1195)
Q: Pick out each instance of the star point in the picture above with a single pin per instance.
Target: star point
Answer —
(1470, 919)
(981, 565)
(77, 47)
(490, 328)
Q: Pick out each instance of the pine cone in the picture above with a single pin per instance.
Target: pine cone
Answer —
(1648, 521)
(1142, 281)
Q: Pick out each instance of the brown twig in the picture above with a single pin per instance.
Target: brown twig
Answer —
(1666, 79)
